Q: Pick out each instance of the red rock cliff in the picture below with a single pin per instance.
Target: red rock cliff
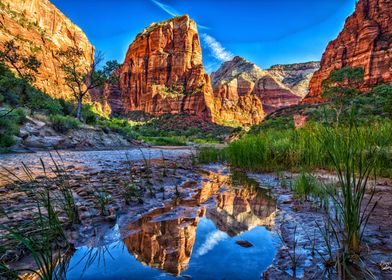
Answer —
(39, 28)
(365, 41)
(163, 71)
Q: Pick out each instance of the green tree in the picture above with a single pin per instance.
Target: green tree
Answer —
(341, 86)
(79, 77)
(26, 67)
(110, 71)
(82, 78)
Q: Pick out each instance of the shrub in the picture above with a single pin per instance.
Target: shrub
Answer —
(66, 107)
(63, 124)
(19, 115)
(9, 126)
(89, 116)
(166, 141)
(119, 126)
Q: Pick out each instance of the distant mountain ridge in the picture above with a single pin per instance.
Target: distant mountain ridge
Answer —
(248, 93)
(296, 76)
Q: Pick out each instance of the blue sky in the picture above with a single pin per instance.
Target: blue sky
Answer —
(265, 32)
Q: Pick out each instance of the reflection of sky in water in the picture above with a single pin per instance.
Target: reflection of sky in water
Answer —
(215, 256)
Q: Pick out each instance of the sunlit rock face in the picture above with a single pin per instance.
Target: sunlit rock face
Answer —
(164, 238)
(295, 76)
(39, 28)
(365, 41)
(245, 93)
(163, 71)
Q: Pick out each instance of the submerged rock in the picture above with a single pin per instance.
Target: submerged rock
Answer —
(244, 243)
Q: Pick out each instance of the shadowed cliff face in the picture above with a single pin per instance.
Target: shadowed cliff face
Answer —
(163, 71)
(39, 28)
(165, 237)
(365, 41)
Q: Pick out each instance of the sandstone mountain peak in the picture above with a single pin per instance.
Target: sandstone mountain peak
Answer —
(296, 66)
(235, 67)
(163, 71)
(365, 41)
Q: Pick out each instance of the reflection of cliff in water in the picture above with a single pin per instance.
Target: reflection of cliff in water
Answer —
(244, 206)
(164, 238)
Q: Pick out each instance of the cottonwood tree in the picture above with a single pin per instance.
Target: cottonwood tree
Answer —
(82, 78)
(341, 86)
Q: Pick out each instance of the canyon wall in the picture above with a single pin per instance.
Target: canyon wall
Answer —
(39, 28)
(365, 41)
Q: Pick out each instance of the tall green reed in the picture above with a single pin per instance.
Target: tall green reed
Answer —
(354, 154)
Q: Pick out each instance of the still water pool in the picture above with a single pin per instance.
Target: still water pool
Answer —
(194, 238)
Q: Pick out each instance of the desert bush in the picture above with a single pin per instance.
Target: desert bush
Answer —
(119, 126)
(89, 116)
(166, 141)
(63, 124)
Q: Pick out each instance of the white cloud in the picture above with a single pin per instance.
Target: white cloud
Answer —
(202, 27)
(171, 11)
(212, 240)
(217, 50)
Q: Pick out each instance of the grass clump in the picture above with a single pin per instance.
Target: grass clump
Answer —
(298, 149)
(102, 198)
(305, 185)
(207, 155)
(354, 155)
